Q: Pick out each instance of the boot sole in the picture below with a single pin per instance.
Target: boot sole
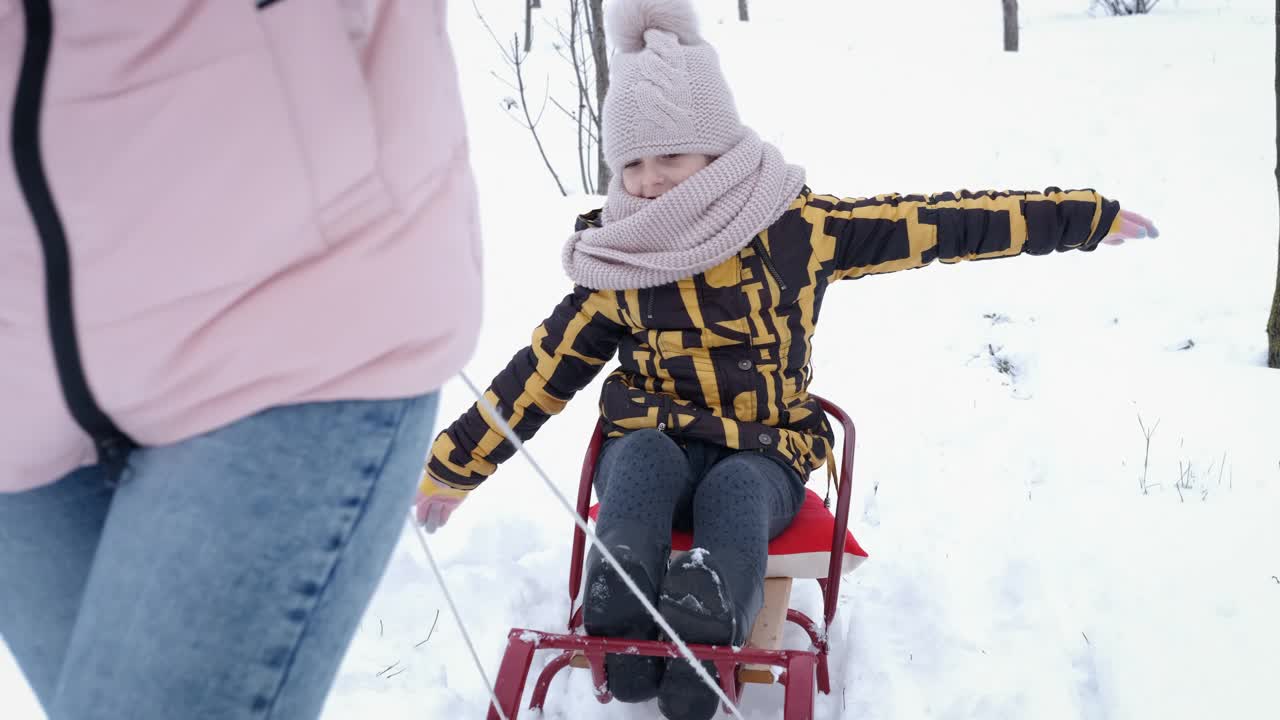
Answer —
(694, 604)
(612, 610)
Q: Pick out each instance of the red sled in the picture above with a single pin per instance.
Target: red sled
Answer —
(816, 545)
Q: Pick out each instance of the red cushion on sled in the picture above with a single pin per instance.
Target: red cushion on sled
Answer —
(803, 550)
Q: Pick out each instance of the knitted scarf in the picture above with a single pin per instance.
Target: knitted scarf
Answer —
(692, 227)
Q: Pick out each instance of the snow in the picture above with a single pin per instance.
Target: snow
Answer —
(697, 558)
(1020, 564)
(690, 602)
(599, 590)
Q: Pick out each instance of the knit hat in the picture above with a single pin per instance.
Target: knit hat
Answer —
(666, 95)
(666, 92)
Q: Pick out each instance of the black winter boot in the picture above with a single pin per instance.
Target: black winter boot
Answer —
(610, 609)
(700, 604)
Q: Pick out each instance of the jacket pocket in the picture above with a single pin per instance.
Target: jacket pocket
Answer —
(322, 83)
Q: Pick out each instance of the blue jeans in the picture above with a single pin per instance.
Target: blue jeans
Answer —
(224, 577)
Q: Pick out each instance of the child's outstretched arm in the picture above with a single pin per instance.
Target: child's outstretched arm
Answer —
(567, 351)
(896, 232)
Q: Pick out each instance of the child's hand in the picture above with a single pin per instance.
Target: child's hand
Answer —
(1130, 226)
(436, 502)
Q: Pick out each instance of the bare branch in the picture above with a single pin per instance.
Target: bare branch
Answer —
(501, 48)
(432, 630)
(564, 37)
(524, 105)
(582, 159)
(569, 114)
(546, 95)
(502, 80)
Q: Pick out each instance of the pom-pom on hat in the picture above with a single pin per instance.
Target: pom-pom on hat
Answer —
(627, 20)
(666, 92)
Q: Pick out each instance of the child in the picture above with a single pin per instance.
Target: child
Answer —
(705, 274)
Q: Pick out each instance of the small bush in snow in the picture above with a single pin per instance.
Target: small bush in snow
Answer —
(1124, 7)
(1146, 455)
(1001, 363)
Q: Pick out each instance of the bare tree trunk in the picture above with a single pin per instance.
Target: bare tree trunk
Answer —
(600, 56)
(577, 55)
(528, 25)
(1010, 25)
(535, 4)
(1273, 326)
(742, 11)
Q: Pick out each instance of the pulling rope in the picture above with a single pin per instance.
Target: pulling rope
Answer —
(422, 540)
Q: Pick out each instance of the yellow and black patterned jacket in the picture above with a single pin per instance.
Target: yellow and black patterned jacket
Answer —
(724, 356)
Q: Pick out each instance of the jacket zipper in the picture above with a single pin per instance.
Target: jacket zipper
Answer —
(112, 444)
(649, 311)
(768, 263)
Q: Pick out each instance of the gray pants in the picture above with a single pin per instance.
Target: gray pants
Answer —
(734, 501)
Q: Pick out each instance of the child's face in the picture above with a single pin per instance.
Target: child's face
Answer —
(652, 175)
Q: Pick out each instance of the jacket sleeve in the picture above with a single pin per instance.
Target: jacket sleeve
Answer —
(567, 351)
(898, 232)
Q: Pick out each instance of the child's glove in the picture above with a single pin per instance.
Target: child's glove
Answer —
(1130, 225)
(436, 502)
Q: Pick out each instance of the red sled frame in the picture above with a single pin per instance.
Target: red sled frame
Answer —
(800, 669)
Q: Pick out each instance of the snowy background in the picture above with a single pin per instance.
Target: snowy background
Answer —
(1024, 564)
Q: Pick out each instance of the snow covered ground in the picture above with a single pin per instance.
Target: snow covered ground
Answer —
(1019, 569)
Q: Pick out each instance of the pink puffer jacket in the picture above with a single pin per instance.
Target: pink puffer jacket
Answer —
(256, 205)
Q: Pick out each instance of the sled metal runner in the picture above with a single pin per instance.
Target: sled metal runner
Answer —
(798, 670)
